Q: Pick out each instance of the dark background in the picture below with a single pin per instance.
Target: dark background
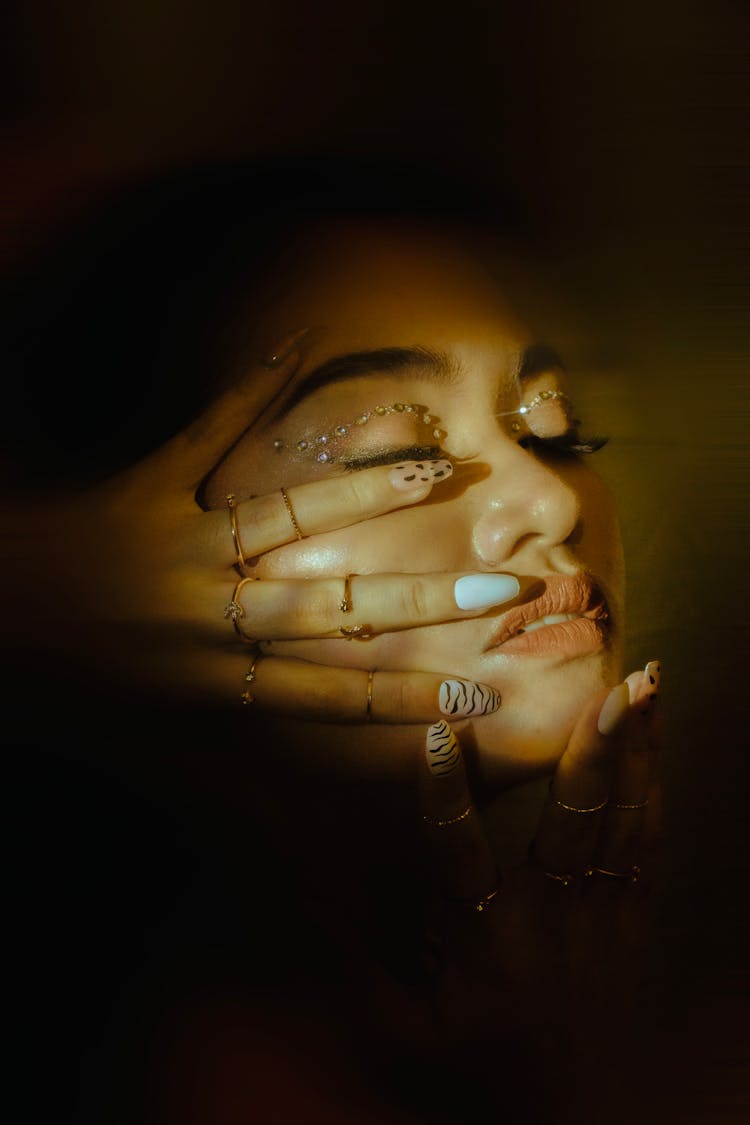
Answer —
(624, 130)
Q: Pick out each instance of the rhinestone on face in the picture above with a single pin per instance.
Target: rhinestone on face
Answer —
(323, 457)
(427, 418)
(302, 446)
(341, 431)
(278, 445)
(399, 407)
(380, 410)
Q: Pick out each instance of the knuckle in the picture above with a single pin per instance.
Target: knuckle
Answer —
(357, 493)
(315, 611)
(415, 599)
(404, 700)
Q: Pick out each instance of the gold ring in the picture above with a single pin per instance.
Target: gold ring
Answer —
(485, 902)
(440, 822)
(247, 696)
(573, 808)
(235, 610)
(232, 505)
(565, 878)
(292, 517)
(631, 876)
(346, 605)
(368, 709)
(356, 632)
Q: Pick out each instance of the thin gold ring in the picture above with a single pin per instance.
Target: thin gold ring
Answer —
(630, 876)
(573, 808)
(443, 822)
(240, 564)
(292, 517)
(565, 878)
(356, 632)
(368, 709)
(247, 696)
(346, 605)
(485, 902)
(235, 610)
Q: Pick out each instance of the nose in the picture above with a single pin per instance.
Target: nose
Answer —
(523, 510)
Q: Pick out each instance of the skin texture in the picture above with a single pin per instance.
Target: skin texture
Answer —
(509, 507)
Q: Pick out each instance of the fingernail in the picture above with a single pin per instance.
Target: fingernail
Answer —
(412, 475)
(652, 678)
(644, 686)
(649, 687)
(480, 591)
(614, 709)
(441, 749)
(284, 349)
(460, 698)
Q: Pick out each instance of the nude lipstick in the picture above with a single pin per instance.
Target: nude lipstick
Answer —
(568, 618)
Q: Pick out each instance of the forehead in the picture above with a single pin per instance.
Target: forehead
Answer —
(396, 282)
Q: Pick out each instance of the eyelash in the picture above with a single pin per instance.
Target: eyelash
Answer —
(571, 443)
(391, 456)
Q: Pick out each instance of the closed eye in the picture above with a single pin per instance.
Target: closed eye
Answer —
(373, 457)
(572, 442)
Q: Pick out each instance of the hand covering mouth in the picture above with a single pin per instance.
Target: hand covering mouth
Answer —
(562, 598)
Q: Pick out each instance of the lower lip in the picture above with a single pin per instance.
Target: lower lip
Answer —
(567, 639)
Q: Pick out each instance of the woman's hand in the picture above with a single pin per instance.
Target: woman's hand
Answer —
(137, 592)
(548, 954)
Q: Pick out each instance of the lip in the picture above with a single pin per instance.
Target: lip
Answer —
(562, 593)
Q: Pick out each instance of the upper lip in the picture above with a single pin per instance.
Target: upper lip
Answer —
(561, 593)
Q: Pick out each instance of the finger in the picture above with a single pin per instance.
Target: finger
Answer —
(271, 521)
(620, 841)
(300, 689)
(460, 857)
(363, 605)
(196, 450)
(573, 812)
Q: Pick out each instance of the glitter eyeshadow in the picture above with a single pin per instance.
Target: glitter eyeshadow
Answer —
(323, 448)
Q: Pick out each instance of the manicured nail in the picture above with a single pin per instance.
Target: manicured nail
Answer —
(649, 687)
(412, 475)
(441, 749)
(652, 678)
(460, 698)
(284, 349)
(614, 709)
(480, 591)
(644, 686)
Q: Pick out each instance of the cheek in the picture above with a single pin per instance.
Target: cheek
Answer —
(413, 540)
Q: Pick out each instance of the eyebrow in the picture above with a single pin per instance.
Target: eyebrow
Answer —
(436, 366)
(538, 358)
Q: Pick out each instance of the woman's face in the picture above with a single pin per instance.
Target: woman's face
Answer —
(443, 337)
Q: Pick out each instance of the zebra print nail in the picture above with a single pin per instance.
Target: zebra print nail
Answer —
(441, 751)
(460, 698)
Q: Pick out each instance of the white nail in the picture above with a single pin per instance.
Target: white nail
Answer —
(460, 698)
(480, 591)
(614, 709)
(441, 749)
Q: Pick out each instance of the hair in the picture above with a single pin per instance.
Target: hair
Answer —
(118, 329)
